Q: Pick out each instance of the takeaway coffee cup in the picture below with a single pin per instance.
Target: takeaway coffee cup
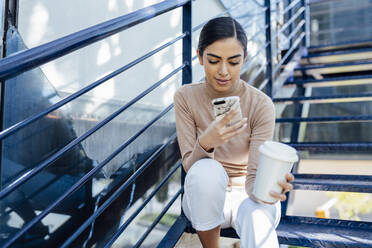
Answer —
(275, 160)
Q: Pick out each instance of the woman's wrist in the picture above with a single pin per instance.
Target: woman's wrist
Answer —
(205, 145)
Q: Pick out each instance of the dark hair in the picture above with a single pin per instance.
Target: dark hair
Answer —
(221, 28)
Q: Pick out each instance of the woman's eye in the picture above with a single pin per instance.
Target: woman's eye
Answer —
(234, 63)
(212, 61)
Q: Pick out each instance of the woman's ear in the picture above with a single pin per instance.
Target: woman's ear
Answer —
(200, 57)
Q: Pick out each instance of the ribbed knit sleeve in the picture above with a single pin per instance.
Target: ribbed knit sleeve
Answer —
(191, 150)
(262, 125)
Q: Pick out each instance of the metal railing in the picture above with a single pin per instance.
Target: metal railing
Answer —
(32, 58)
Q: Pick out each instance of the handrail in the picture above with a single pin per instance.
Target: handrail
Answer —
(28, 59)
(156, 221)
(117, 192)
(28, 175)
(34, 57)
(285, 26)
(294, 46)
(10, 130)
(131, 218)
(90, 174)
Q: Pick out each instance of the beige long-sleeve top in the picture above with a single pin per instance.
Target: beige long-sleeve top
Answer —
(239, 156)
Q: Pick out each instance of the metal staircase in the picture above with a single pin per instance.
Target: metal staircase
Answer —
(321, 75)
(331, 70)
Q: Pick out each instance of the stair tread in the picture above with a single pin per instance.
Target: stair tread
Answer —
(325, 118)
(338, 52)
(341, 46)
(331, 65)
(346, 183)
(306, 234)
(335, 96)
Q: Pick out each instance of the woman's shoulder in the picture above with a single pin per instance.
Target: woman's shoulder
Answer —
(255, 94)
(188, 90)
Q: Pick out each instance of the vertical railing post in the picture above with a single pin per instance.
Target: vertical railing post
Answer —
(186, 57)
(307, 23)
(10, 18)
(187, 43)
(303, 16)
(290, 28)
(269, 76)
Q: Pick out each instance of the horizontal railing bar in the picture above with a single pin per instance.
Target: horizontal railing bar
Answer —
(291, 6)
(220, 14)
(257, 53)
(116, 194)
(34, 57)
(28, 175)
(289, 52)
(174, 233)
(253, 20)
(294, 32)
(263, 84)
(334, 64)
(257, 33)
(195, 57)
(325, 119)
(333, 184)
(327, 222)
(307, 146)
(350, 51)
(334, 177)
(156, 221)
(139, 209)
(326, 97)
(331, 81)
(5, 133)
(286, 25)
(257, 74)
(89, 175)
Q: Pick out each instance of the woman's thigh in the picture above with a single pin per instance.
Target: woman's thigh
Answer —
(204, 194)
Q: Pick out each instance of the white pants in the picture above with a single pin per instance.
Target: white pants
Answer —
(208, 202)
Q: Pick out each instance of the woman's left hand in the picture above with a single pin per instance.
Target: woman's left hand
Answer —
(286, 186)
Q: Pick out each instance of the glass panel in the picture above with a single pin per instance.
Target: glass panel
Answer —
(340, 21)
(30, 93)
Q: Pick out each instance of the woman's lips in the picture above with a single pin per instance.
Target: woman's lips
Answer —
(222, 81)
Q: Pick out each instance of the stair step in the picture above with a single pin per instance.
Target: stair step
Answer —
(340, 46)
(359, 97)
(342, 67)
(297, 230)
(335, 81)
(314, 232)
(325, 119)
(337, 56)
(323, 182)
(322, 146)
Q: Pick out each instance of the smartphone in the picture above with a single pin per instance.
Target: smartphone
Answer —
(223, 105)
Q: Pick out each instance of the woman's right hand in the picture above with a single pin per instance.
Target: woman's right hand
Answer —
(218, 132)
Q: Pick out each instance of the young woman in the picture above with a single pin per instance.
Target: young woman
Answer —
(221, 160)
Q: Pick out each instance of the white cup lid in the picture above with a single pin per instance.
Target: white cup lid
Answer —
(279, 151)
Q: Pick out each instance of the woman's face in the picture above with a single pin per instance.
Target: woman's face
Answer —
(222, 61)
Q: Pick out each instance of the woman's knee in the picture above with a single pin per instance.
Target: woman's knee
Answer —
(252, 212)
(205, 175)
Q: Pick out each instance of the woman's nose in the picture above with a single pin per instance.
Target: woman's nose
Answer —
(223, 70)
